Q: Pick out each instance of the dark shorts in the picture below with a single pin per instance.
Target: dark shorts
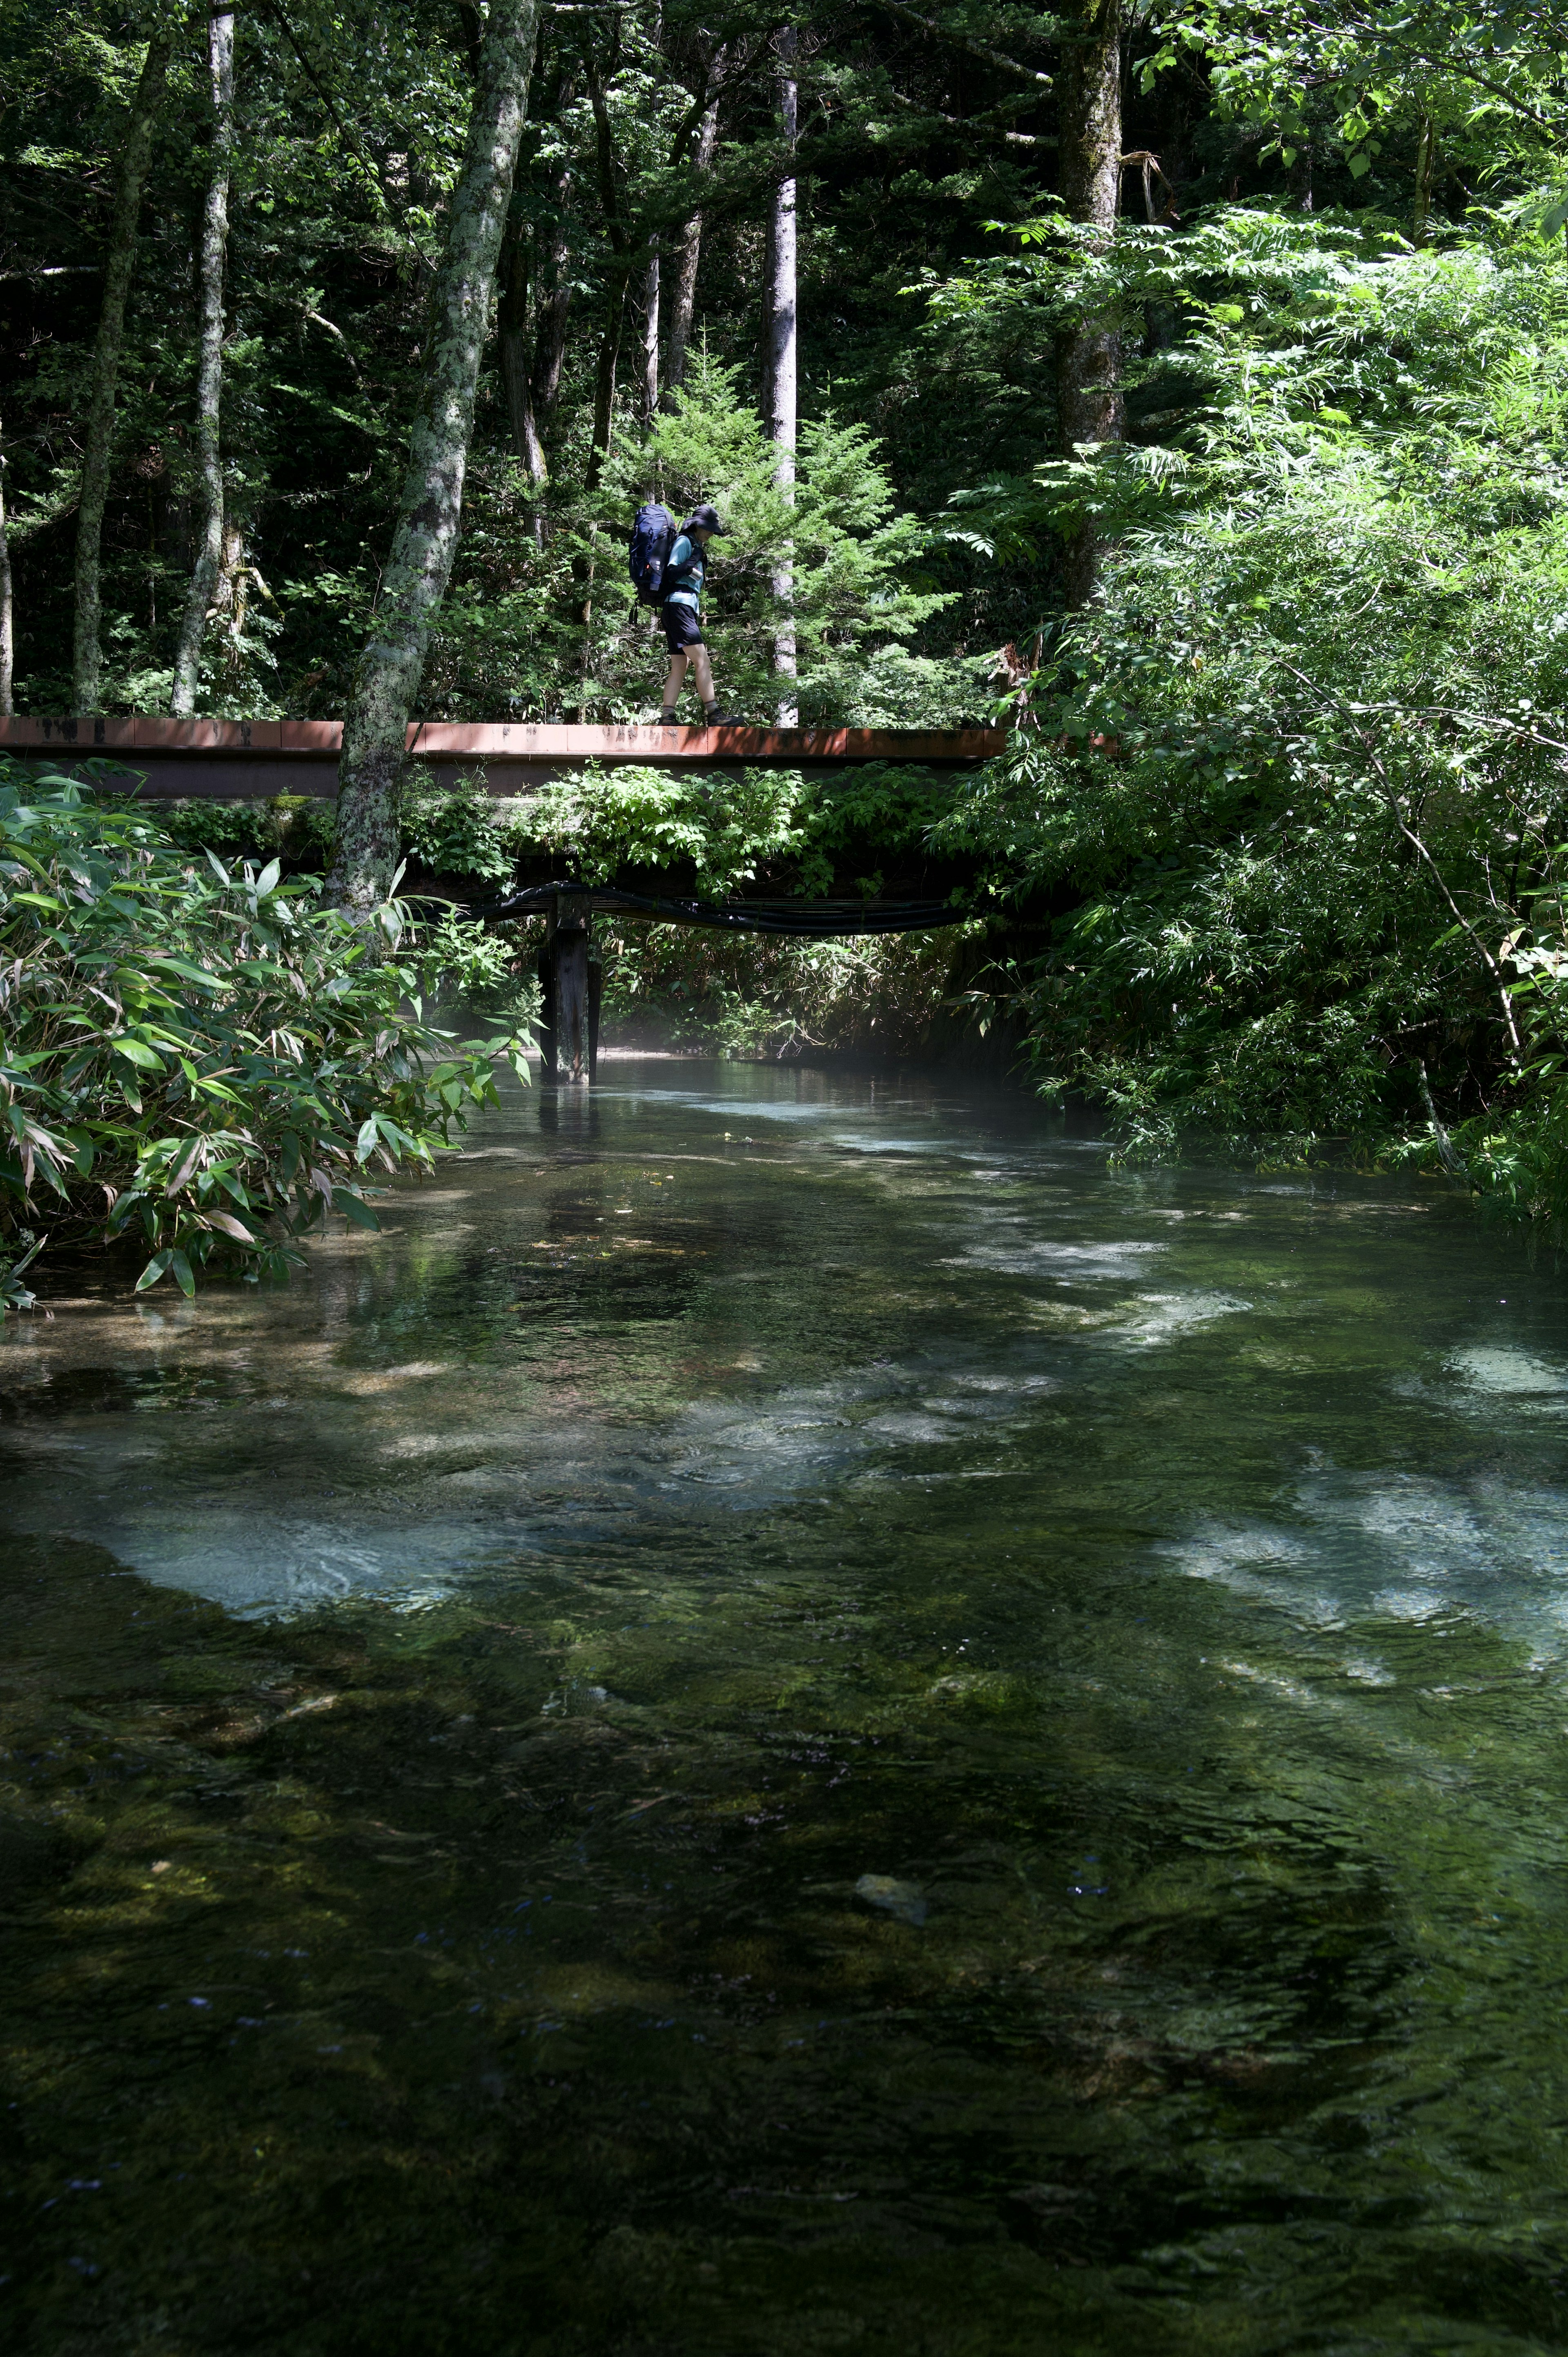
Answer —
(682, 627)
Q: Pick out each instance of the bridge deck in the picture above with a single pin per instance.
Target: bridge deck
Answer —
(243, 760)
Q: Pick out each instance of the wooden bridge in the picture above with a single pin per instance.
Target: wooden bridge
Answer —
(250, 761)
(253, 761)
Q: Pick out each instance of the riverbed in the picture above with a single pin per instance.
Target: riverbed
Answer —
(794, 1717)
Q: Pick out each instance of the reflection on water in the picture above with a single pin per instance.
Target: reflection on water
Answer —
(793, 1719)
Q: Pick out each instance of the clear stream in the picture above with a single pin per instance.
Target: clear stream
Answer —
(794, 1720)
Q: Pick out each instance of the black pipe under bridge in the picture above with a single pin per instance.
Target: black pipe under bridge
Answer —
(571, 973)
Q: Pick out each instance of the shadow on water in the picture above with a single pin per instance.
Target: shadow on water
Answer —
(793, 1720)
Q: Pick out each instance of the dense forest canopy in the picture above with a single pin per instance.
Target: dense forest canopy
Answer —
(1188, 377)
(936, 271)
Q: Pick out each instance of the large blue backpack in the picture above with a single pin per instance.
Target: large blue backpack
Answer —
(648, 551)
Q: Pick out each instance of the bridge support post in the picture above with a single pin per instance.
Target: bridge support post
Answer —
(570, 977)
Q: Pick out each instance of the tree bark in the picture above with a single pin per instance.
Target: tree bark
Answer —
(651, 289)
(1089, 355)
(584, 567)
(650, 341)
(516, 255)
(605, 379)
(210, 366)
(551, 351)
(621, 245)
(391, 668)
(119, 261)
(780, 348)
(1425, 168)
(8, 609)
(686, 275)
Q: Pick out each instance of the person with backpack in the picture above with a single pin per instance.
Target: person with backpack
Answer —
(670, 574)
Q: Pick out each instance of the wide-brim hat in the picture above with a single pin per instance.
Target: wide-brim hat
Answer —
(706, 519)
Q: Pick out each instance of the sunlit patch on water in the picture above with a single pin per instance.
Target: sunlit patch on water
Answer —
(1513, 1373)
(1162, 1316)
(1404, 1546)
(1121, 1261)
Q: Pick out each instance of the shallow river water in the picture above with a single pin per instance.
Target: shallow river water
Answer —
(794, 1720)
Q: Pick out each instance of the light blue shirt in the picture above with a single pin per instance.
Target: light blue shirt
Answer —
(687, 564)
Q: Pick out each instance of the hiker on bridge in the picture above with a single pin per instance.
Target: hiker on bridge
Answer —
(675, 582)
(681, 611)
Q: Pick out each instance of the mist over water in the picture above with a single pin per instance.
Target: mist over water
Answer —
(795, 1717)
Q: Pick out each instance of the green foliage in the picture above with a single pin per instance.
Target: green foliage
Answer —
(456, 830)
(738, 996)
(296, 827)
(598, 824)
(849, 553)
(206, 1063)
(464, 965)
(1354, 80)
(1288, 786)
(510, 637)
(718, 832)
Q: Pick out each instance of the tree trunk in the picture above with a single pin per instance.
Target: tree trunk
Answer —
(7, 611)
(686, 276)
(515, 375)
(391, 668)
(551, 350)
(1089, 355)
(651, 289)
(604, 381)
(584, 567)
(1425, 165)
(650, 341)
(210, 366)
(780, 339)
(119, 261)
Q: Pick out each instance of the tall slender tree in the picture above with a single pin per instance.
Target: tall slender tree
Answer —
(517, 378)
(691, 247)
(103, 375)
(781, 328)
(425, 539)
(8, 609)
(1089, 353)
(651, 289)
(1425, 171)
(209, 362)
(650, 337)
(553, 302)
(618, 276)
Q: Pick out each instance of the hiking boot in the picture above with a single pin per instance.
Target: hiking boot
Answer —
(668, 719)
(713, 718)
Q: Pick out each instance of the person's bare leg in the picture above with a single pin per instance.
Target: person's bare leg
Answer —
(673, 685)
(705, 671)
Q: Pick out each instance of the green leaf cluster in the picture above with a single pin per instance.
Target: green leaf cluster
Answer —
(1294, 789)
(203, 1062)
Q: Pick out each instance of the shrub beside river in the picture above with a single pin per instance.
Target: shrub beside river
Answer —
(201, 1062)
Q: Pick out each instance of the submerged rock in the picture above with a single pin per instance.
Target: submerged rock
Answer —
(904, 1899)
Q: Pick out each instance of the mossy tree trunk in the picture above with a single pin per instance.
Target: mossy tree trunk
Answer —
(103, 378)
(1089, 355)
(424, 541)
(209, 363)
